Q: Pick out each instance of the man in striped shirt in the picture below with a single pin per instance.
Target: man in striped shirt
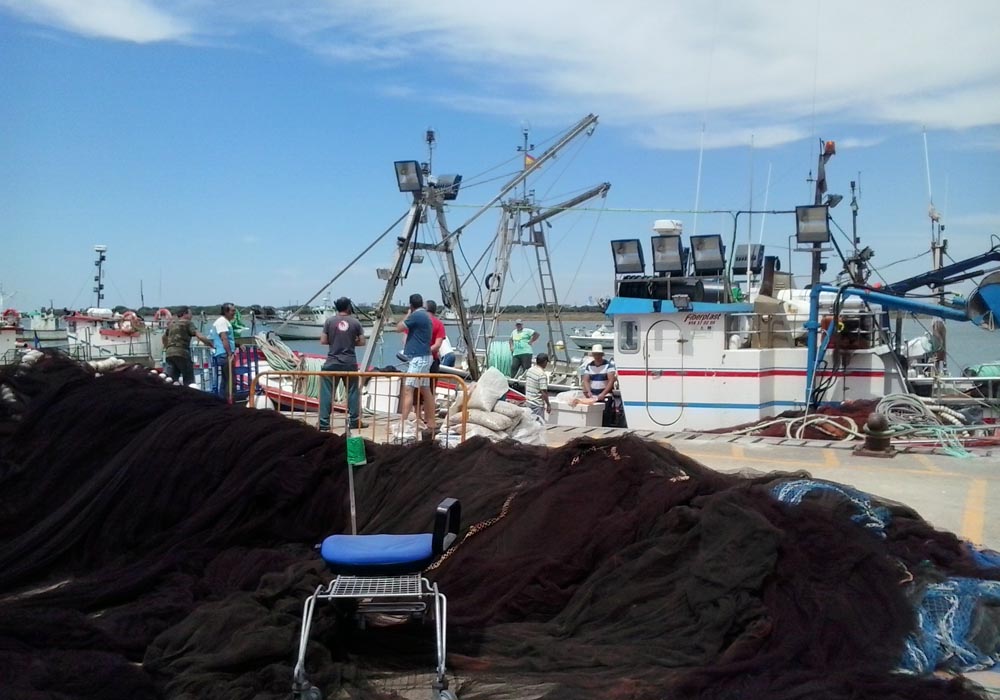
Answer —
(599, 381)
(536, 387)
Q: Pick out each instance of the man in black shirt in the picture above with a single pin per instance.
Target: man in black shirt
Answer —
(343, 333)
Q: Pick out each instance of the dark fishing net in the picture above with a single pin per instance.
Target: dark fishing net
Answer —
(158, 543)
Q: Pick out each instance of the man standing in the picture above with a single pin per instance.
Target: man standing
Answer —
(177, 346)
(343, 333)
(536, 387)
(520, 347)
(223, 348)
(599, 378)
(438, 335)
(419, 329)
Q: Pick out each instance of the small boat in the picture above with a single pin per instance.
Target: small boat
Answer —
(308, 324)
(585, 340)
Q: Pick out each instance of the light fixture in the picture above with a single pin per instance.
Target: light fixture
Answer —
(627, 256)
(409, 177)
(812, 224)
(384, 273)
(708, 254)
(447, 185)
(833, 200)
(748, 256)
(682, 302)
(668, 255)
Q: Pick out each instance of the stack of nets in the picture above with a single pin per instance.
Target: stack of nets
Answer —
(157, 543)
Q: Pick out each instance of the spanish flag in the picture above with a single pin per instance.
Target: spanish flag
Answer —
(529, 160)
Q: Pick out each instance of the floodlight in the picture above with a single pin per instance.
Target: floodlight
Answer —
(812, 224)
(748, 256)
(627, 255)
(447, 185)
(667, 255)
(408, 176)
(708, 255)
(682, 302)
(833, 200)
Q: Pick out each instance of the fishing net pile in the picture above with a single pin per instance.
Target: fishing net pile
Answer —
(156, 543)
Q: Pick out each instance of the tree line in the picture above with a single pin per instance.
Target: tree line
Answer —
(266, 311)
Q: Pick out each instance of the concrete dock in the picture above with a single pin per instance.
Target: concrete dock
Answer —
(953, 493)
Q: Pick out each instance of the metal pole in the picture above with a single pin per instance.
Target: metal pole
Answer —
(458, 302)
(584, 124)
(404, 243)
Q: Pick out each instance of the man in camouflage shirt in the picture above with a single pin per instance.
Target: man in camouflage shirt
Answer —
(177, 346)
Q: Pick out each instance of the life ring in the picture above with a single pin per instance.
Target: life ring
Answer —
(11, 317)
(130, 322)
(162, 315)
(493, 282)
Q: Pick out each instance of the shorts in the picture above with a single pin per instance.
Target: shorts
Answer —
(419, 365)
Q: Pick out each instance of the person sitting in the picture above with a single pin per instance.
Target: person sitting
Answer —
(599, 376)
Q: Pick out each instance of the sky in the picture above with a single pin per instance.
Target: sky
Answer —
(242, 149)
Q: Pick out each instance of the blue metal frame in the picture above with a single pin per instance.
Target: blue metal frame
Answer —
(886, 301)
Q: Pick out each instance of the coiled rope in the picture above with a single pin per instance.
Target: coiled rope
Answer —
(282, 358)
(500, 357)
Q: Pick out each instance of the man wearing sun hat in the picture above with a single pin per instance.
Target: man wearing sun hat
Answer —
(599, 377)
(520, 347)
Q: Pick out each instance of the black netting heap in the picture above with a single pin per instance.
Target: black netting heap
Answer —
(155, 542)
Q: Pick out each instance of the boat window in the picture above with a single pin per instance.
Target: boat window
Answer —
(628, 336)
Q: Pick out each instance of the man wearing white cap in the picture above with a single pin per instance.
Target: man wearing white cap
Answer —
(520, 347)
(599, 377)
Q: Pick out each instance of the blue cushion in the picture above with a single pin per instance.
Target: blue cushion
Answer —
(377, 550)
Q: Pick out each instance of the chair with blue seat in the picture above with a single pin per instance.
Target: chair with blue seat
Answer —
(384, 573)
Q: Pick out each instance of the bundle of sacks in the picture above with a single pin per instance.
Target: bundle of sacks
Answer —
(490, 415)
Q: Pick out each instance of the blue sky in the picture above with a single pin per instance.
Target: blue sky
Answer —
(243, 150)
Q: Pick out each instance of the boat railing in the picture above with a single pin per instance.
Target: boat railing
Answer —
(855, 330)
(296, 395)
(936, 382)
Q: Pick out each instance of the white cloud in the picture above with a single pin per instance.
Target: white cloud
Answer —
(988, 222)
(777, 70)
(126, 20)
(853, 142)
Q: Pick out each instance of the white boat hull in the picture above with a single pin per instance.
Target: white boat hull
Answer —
(586, 342)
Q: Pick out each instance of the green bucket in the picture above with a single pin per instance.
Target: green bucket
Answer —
(356, 451)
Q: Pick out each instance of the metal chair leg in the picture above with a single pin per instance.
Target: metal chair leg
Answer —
(299, 674)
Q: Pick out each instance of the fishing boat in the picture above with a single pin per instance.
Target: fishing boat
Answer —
(45, 326)
(698, 350)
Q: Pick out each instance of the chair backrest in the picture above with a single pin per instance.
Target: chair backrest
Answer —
(447, 520)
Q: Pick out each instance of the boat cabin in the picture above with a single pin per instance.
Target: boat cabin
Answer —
(694, 351)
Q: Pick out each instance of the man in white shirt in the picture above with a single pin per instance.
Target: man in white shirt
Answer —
(223, 349)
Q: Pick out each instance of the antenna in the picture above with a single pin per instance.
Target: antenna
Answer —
(697, 183)
(101, 251)
(526, 148)
(938, 246)
(431, 140)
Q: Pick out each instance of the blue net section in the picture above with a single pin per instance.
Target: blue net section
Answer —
(986, 558)
(948, 619)
(952, 616)
(868, 515)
